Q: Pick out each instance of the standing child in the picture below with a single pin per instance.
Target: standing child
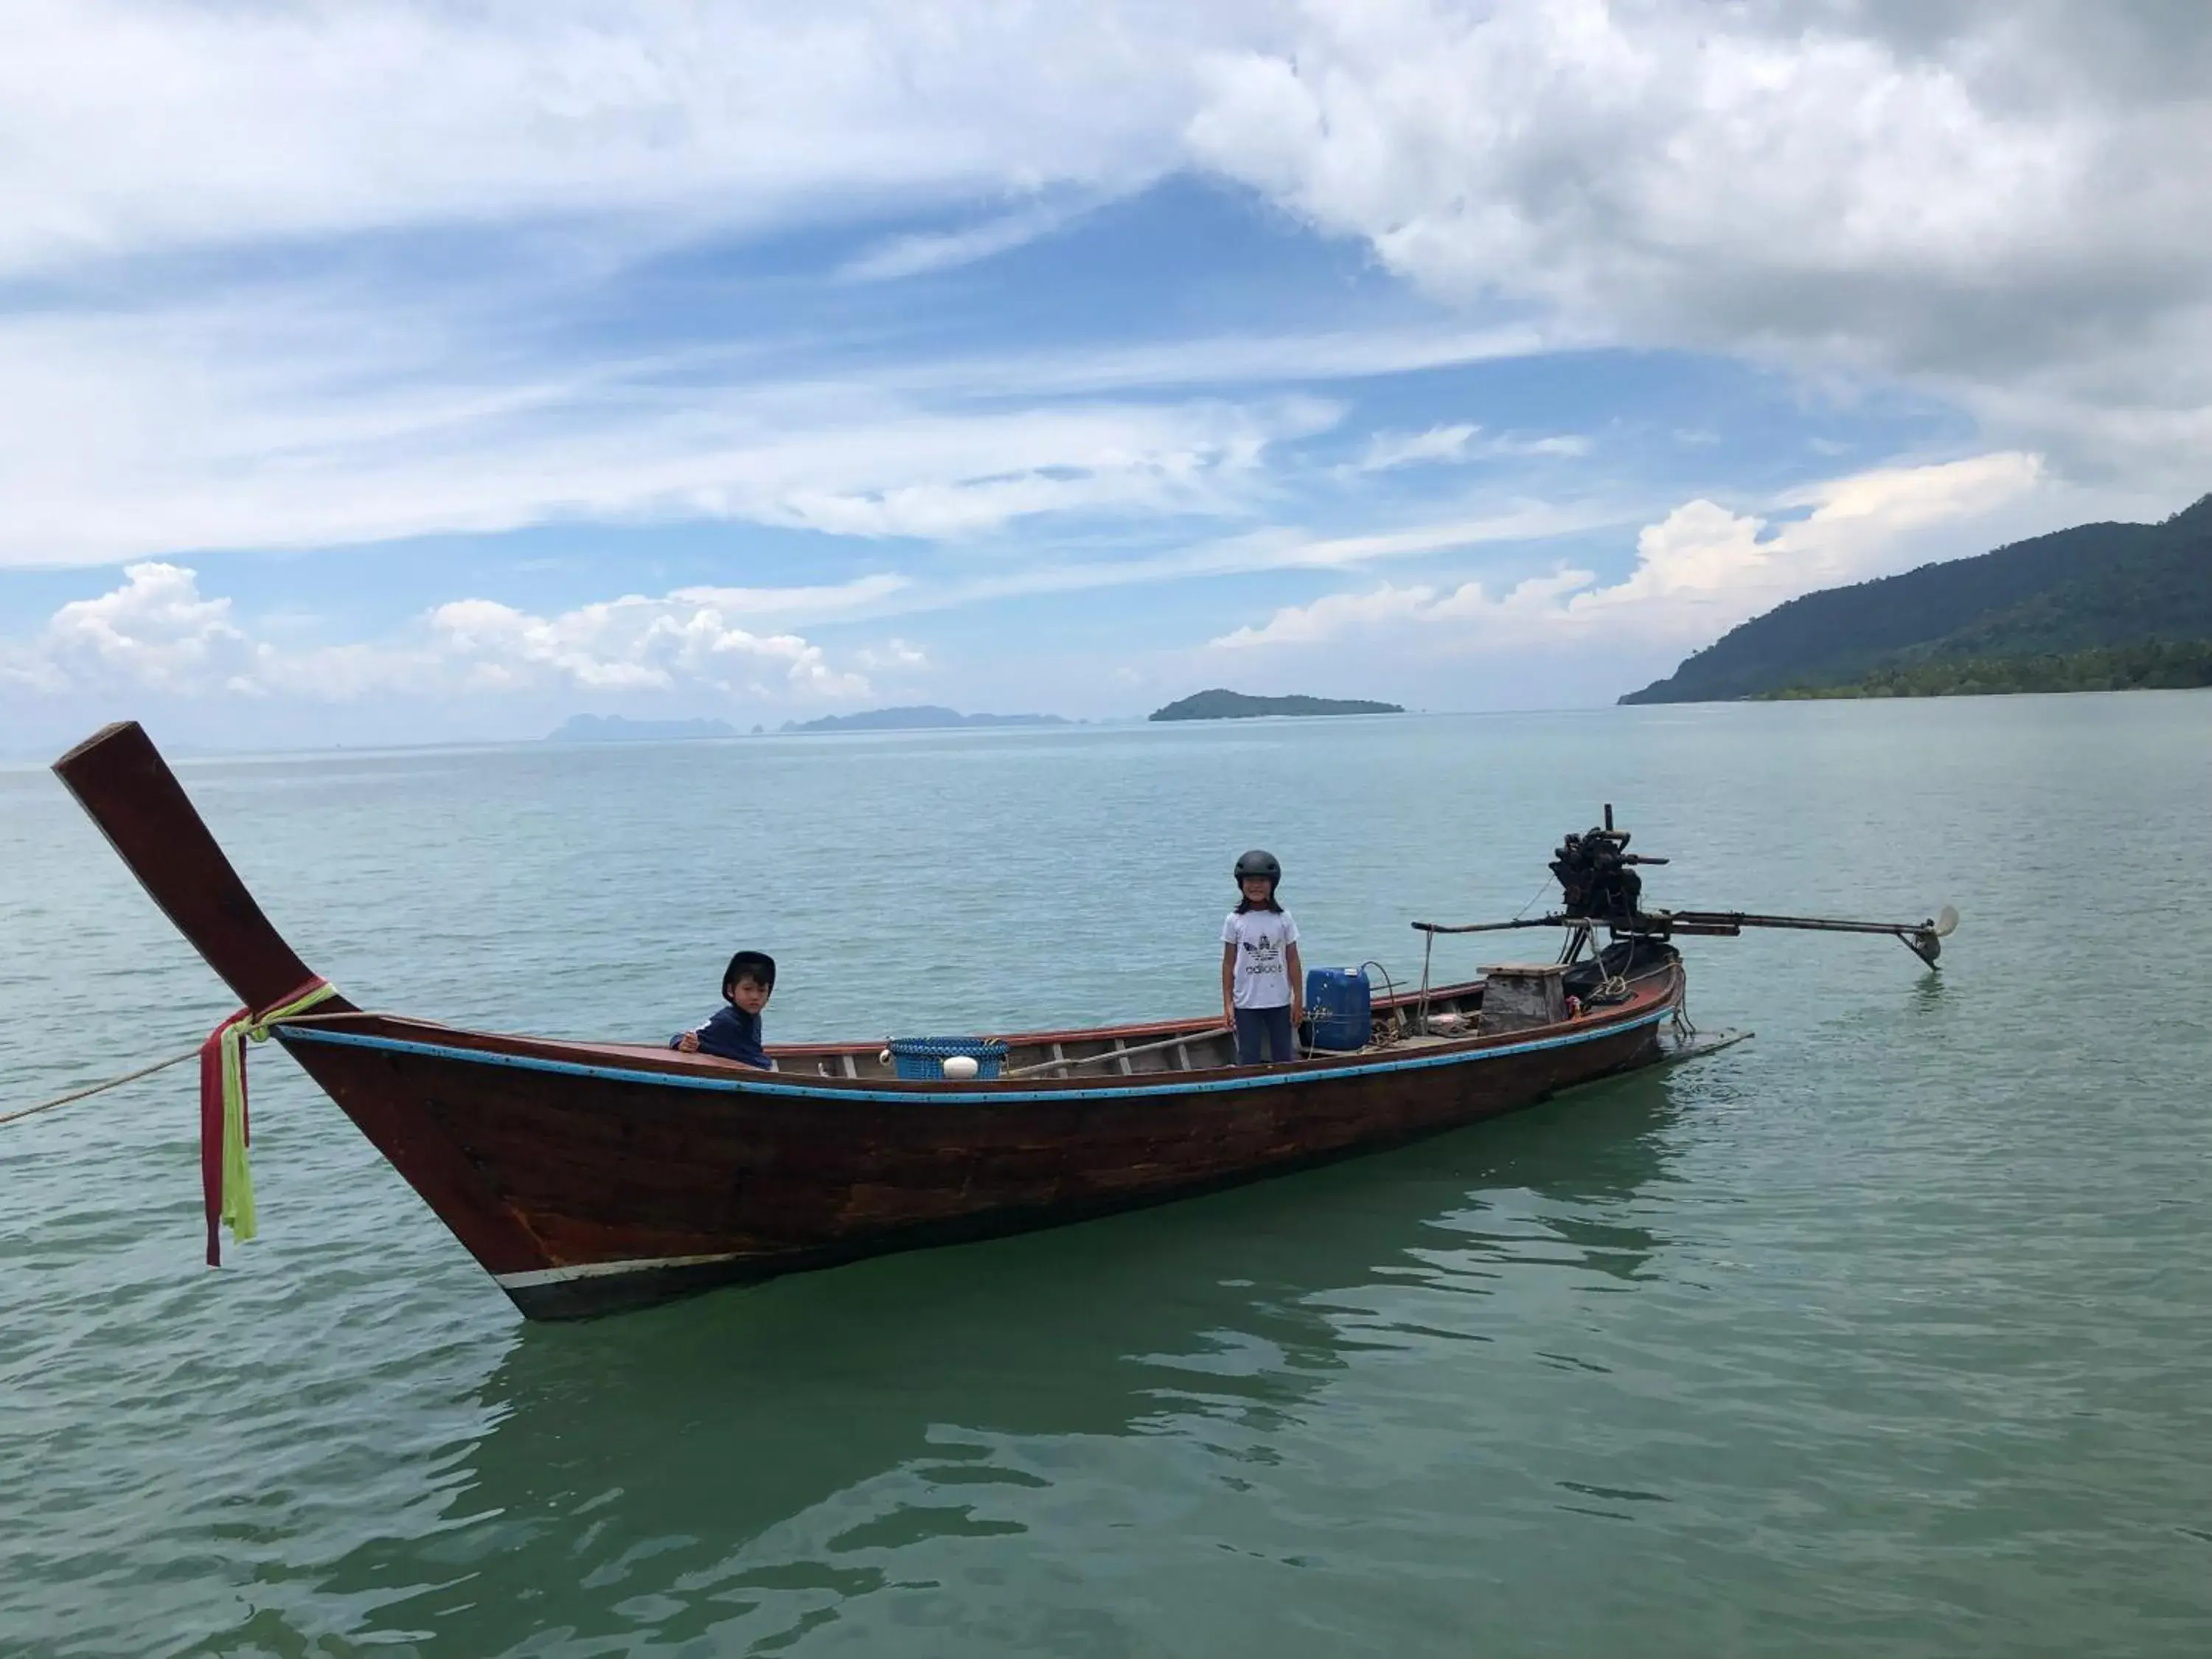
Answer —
(734, 1032)
(1262, 983)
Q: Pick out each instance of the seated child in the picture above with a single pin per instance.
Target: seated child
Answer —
(734, 1032)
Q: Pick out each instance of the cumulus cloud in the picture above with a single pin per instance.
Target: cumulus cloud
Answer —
(2002, 204)
(628, 645)
(2005, 203)
(1698, 572)
(157, 632)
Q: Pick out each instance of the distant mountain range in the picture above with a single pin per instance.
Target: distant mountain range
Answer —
(613, 728)
(922, 717)
(2097, 588)
(1219, 705)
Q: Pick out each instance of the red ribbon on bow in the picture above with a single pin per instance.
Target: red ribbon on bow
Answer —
(236, 1030)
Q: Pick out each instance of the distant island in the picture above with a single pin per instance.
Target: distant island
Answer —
(923, 717)
(1219, 705)
(2099, 607)
(613, 728)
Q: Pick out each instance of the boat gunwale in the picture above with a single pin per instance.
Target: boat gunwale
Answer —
(1646, 1007)
(1142, 1028)
(1186, 1025)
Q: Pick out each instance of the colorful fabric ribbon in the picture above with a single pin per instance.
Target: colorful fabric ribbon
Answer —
(225, 1177)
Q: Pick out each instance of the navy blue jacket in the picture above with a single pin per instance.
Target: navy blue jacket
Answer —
(734, 1035)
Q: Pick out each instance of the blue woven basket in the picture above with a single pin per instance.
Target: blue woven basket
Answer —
(921, 1059)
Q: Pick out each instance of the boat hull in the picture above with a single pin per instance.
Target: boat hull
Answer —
(584, 1184)
(586, 1178)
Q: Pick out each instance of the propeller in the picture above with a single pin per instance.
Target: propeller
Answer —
(1926, 941)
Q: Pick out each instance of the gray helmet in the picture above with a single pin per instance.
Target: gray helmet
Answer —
(1265, 865)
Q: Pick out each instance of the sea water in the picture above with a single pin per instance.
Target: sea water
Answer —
(1887, 1333)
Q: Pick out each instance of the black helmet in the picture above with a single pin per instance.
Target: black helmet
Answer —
(755, 965)
(1265, 865)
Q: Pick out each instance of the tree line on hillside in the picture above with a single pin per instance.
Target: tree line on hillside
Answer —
(2155, 665)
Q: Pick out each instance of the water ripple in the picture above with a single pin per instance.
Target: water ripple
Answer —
(1884, 1334)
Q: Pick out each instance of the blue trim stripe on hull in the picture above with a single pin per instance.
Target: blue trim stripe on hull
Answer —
(768, 1084)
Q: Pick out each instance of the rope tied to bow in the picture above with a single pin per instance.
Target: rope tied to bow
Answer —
(225, 1134)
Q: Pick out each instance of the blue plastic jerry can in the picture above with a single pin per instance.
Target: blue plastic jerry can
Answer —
(1339, 1008)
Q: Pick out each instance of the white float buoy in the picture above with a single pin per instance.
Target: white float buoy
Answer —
(960, 1067)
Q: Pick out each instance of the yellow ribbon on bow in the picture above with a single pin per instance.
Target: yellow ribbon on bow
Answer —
(226, 1175)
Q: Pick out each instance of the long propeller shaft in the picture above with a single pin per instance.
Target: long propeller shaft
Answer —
(1923, 938)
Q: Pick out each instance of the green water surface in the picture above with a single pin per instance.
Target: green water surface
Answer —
(1889, 1332)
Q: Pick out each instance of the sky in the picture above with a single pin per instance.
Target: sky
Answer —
(422, 370)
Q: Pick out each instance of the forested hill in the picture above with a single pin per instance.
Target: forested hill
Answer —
(1221, 705)
(2093, 588)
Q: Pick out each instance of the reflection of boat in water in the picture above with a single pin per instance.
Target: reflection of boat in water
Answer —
(668, 1454)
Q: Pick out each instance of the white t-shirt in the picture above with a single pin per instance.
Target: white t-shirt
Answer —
(1263, 940)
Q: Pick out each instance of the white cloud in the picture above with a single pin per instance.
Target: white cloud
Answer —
(894, 655)
(1446, 444)
(1560, 443)
(1277, 549)
(1337, 614)
(1389, 450)
(1698, 572)
(1250, 358)
(285, 423)
(158, 633)
(200, 126)
(861, 595)
(922, 253)
(155, 632)
(2004, 204)
(628, 645)
(306, 415)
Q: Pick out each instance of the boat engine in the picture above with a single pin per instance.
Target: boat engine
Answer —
(1599, 882)
(1596, 876)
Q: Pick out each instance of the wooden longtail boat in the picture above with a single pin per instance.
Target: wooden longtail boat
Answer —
(591, 1177)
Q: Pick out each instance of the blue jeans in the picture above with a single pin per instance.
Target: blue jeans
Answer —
(1271, 1024)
